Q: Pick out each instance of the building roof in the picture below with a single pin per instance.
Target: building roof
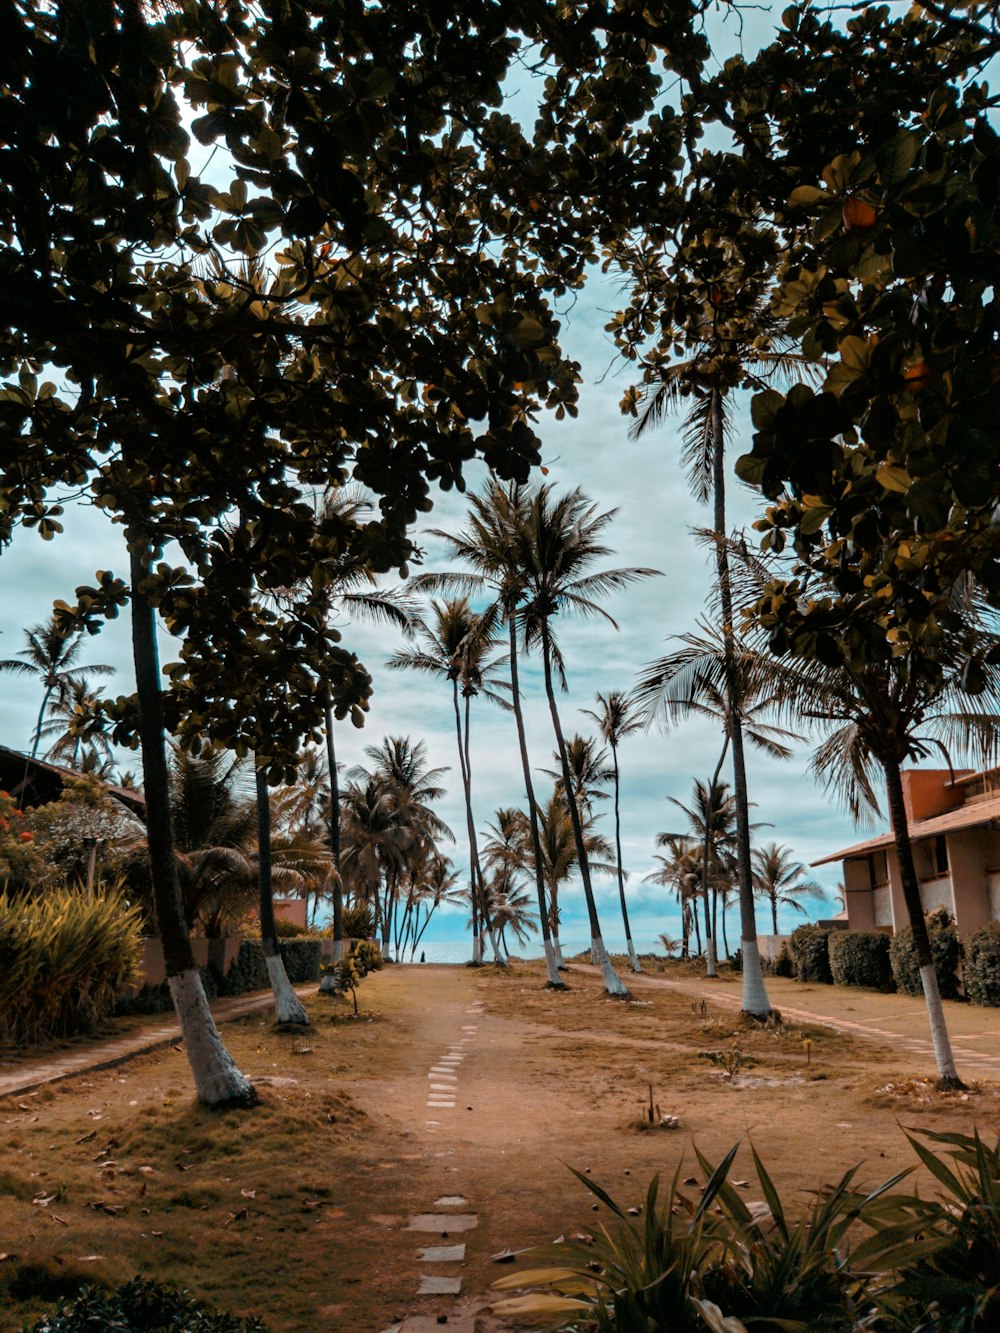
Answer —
(36, 781)
(966, 816)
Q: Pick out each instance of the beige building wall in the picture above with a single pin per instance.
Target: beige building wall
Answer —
(972, 854)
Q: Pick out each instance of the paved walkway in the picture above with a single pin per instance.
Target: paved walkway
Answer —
(897, 1021)
(104, 1052)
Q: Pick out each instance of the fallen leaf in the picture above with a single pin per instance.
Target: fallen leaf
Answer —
(249, 1194)
(238, 1216)
(156, 1233)
(88, 1137)
(91, 1259)
(146, 1171)
(61, 1220)
(43, 1200)
(5, 1255)
(505, 1256)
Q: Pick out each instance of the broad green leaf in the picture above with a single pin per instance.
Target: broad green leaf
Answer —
(895, 158)
(894, 478)
(805, 195)
(539, 1305)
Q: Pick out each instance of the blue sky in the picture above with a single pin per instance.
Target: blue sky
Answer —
(653, 528)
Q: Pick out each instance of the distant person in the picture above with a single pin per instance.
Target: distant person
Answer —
(423, 956)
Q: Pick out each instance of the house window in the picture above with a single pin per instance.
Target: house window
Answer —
(939, 855)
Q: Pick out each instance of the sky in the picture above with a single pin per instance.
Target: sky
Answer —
(653, 527)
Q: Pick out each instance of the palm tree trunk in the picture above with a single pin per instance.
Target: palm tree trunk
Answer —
(287, 1005)
(552, 960)
(630, 947)
(217, 1080)
(712, 960)
(36, 738)
(755, 999)
(477, 942)
(948, 1078)
(725, 937)
(484, 905)
(774, 912)
(613, 984)
(697, 926)
(335, 879)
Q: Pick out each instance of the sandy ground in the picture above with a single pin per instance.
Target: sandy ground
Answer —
(341, 1160)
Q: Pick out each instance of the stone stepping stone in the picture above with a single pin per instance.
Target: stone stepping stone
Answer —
(441, 1254)
(422, 1323)
(440, 1069)
(442, 1087)
(469, 1027)
(441, 1105)
(432, 1285)
(450, 1201)
(443, 1222)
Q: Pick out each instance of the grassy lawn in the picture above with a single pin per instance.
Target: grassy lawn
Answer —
(296, 1212)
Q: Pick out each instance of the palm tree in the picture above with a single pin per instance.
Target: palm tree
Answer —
(288, 1008)
(681, 870)
(705, 677)
(438, 887)
(712, 825)
(406, 787)
(512, 911)
(455, 646)
(49, 658)
(374, 839)
(487, 547)
(617, 718)
(555, 543)
(76, 720)
(559, 845)
(781, 881)
(744, 350)
(346, 583)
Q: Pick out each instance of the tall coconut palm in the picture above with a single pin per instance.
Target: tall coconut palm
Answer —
(706, 677)
(77, 723)
(455, 645)
(409, 787)
(438, 887)
(617, 718)
(48, 657)
(560, 856)
(711, 819)
(681, 870)
(780, 881)
(555, 544)
(288, 1008)
(345, 585)
(487, 547)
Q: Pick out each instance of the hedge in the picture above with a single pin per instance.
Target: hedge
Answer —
(946, 951)
(249, 971)
(811, 953)
(860, 958)
(982, 966)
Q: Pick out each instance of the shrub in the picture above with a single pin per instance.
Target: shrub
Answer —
(140, 1306)
(811, 954)
(249, 971)
(982, 966)
(63, 960)
(157, 999)
(359, 923)
(368, 956)
(860, 958)
(782, 966)
(290, 930)
(946, 952)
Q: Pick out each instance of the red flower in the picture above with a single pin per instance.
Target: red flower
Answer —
(26, 837)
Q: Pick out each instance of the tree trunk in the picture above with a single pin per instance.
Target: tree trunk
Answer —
(629, 946)
(36, 739)
(755, 999)
(710, 949)
(774, 912)
(337, 883)
(474, 904)
(288, 1007)
(613, 984)
(484, 904)
(948, 1078)
(553, 960)
(725, 937)
(217, 1080)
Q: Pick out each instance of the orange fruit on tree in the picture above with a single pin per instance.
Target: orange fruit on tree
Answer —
(858, 215)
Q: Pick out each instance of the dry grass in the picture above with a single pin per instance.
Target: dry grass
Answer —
(296, 1212)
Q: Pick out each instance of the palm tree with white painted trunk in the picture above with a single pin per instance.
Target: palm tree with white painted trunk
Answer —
(681, 870)
(555, 544)
(560, 856)
(487, 547)
(455, 645)
(617, 718)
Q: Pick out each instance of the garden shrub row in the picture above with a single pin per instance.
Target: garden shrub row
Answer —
(248, 973)
(869, 958)
(140, 1306)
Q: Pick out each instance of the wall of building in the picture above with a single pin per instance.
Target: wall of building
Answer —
(972, 855)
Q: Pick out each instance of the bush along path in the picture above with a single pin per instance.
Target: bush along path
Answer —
(104, 1052)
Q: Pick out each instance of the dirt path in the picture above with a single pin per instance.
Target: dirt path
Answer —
(459, 1095)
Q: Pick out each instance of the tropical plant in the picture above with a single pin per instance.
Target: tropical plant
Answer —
(711, 819)
(49, 658)
(77, 721)
(617, 719)
(455, 646)
(681, 870)
(63, 959)
(557, 838)
(488, 548)
(555, 543)
(780, 881)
